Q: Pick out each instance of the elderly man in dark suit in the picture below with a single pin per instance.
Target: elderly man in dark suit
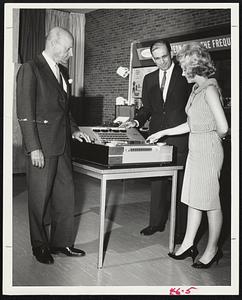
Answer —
(164, 96)
(47, 127)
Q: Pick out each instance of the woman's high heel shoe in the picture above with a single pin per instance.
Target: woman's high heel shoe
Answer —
(217, 257)
(190, 252)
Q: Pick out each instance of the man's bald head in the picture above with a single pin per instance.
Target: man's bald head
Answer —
(58, 33)
(59, 43)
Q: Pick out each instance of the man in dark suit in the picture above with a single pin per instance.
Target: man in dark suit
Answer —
(43, 113)
(164, 96)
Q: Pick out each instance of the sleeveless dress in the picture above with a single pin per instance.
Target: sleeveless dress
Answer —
(205, 157)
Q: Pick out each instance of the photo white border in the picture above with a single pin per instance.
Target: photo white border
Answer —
(8, 288)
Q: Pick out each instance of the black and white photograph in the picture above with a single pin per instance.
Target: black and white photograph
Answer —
(121, 149)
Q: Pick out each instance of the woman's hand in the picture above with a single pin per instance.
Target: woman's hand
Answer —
(155, 136)
(180, 129)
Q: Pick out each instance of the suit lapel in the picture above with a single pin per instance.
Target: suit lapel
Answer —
(172, 84)
(50, 75)
(64, 73)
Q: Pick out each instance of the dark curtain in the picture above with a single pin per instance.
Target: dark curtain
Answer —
(31, 33)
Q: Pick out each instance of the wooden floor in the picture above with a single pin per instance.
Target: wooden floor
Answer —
(130, 259)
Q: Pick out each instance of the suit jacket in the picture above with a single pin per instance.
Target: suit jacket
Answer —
(43, 108)
(166, 114)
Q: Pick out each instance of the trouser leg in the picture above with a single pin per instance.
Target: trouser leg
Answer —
(40, 182)
(159, 204)
(63, 204)
(160, 199)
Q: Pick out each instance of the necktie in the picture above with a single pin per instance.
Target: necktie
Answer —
(58, 75)
(163, 81)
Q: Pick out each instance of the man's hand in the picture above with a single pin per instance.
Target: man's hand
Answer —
(128, 124)
(80, 136)
(37, 158)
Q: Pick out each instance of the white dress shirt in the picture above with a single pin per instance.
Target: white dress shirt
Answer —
(52, 65)
(168, 78)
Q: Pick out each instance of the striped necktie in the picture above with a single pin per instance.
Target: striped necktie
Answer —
(58, 75)
(163, 81)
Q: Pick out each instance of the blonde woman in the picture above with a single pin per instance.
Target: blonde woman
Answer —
(207, 125)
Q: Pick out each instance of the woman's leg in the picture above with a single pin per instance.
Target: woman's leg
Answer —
(194, 217)
(215, 220)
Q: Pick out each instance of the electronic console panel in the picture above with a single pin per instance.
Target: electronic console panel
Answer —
(105, 135)
(115, 146)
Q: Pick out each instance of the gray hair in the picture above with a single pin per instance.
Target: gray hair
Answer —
(57, 33)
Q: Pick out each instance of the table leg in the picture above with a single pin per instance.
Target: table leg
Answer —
(173, 212)
(102, 221)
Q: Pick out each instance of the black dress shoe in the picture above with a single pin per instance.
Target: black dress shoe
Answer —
(43, 255)
(152, 229)
(217, 257)
(190, 252)
(68, 251)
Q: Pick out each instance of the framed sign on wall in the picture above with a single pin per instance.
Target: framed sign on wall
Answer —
(138, 75)
(216, 39)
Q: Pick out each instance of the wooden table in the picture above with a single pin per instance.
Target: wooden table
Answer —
(105, 174)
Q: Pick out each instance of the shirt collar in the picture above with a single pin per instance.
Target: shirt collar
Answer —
(49, 60)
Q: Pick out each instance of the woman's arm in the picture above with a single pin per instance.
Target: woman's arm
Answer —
(180, 129)
(212, 98)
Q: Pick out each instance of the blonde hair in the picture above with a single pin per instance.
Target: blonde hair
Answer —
(196, 59)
